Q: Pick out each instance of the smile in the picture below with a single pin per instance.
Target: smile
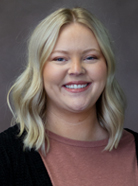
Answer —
(75, 86)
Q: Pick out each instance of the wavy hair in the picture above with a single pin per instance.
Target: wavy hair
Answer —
(28, 95)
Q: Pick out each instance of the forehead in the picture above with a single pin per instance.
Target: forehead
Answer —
(76, 36)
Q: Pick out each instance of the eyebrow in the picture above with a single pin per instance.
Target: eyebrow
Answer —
(66, 52)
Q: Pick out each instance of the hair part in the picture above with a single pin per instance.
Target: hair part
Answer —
(28, 93)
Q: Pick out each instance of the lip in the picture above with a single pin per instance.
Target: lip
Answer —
(77, 83)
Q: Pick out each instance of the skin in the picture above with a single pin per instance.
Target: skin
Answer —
(75, 57)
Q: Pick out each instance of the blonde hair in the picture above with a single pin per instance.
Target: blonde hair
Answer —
(28, 94)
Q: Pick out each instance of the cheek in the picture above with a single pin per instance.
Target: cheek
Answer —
(102, 72)
(52, 75)
(99, 72)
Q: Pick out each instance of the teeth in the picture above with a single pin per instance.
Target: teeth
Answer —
(76, 86)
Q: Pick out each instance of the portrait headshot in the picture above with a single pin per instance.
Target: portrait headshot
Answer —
(69, 76)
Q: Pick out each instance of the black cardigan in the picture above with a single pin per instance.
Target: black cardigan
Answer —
(24, 168)
(18, 167)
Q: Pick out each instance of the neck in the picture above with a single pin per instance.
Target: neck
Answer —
(78, 126)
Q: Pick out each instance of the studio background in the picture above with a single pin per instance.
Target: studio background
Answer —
(18, 18)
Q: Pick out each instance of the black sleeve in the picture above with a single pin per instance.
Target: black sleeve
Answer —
(6, 167)
(19, 167)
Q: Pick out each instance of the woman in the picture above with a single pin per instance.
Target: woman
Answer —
(69, 109)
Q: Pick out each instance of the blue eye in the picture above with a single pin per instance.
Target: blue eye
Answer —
(59, 59)
(91, 58)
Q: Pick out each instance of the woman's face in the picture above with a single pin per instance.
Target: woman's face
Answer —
(75, 73)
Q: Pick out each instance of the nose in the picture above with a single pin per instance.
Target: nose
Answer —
(76, 67)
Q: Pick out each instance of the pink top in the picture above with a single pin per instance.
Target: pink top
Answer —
(82, 163)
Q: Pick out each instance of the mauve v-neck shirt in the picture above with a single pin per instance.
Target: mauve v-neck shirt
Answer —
(82, 163)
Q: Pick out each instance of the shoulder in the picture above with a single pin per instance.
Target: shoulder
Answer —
(10, 149)
(131, 134)
(135, 134)
(10, 132)
(10, 144)
(19, 166)
(10, 136)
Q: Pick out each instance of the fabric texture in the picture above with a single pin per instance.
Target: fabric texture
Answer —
(18, 167)
(24, 168)
(74, 162)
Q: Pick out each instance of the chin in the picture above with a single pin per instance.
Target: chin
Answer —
(78, 108)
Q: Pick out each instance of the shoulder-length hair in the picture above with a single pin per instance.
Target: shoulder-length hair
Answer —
(28, 94)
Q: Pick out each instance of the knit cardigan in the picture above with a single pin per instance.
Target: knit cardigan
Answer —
(24, 168)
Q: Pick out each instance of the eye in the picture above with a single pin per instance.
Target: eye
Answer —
(91, 58)
(59, 59)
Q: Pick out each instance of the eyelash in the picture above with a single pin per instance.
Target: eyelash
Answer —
(56, 59)
(63, 59)
(93, 57)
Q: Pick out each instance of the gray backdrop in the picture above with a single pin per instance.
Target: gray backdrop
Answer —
(19, 17)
